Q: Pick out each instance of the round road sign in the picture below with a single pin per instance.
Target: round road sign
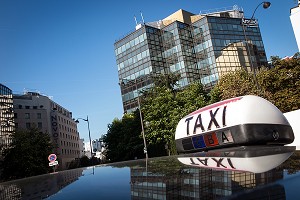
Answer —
(52, 157)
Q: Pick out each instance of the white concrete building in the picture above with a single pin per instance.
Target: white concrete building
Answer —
(97, 148)
(35, 110)
(87, 149)
(81, 147)
(96, 145)
(295, 20)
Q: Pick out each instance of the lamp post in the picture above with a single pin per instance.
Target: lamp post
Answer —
(247, 23)
(140, 112)
(87, 120)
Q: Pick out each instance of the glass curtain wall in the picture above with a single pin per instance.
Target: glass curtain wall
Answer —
(7, 125)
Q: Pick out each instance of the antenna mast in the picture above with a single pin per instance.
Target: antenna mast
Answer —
(142, 17)
(135, 20)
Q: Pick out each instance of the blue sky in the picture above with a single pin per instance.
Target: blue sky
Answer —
(65, 48)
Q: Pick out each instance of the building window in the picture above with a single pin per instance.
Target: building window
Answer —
(15, 115)
(28, 125)
(27, 107)
(20, 106)
(27, 115)
(34, 107)
(16, 125)
(39, 115)
(40, 125)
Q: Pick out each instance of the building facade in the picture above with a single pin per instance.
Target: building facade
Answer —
(200, 183)
(35, 110)
(198, 47)
(7, 125)
(81, 147)
(97, 148)
(40, 188)
(295, 20)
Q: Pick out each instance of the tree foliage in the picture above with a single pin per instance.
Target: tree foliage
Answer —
(166, 80)
(124, 139)
(164, 104)
(160, 112)
(280, 84)
(163, 109)
(84, 161)
(27, 155)
(236, 83)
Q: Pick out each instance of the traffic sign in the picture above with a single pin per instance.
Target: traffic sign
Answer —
(53, 163)
(52, 157)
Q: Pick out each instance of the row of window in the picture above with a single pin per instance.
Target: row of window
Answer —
(70, 152)
(61, 110)
(67, 136)
(67, 121)
(27, 115)
(29, 125)
(28, 107)
(131, 44)
(66, 128)
(130, 61)
(71, 144)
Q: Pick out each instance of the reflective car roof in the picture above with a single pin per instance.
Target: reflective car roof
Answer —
(235, 173)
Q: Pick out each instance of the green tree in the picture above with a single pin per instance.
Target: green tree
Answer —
(215, 95)
(236, 83)
(279, 85)
(162, 109)
(192, 98)
(124, 139)
(27, 155)
(85, 161)
(168, 80)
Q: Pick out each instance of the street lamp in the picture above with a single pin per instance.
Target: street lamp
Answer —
(247, 23)
(87, 120)
(266, 5)
(140, 112)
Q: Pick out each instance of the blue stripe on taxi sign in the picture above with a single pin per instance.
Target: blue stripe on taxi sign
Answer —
(198, 142)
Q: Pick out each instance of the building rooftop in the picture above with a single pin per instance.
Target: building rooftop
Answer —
(189, 18)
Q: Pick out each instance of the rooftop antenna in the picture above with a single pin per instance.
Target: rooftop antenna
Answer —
(142, 17)
(135, 20)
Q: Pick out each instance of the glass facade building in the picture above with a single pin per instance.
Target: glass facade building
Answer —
(200, 183)
(7, 125)
(198, 47)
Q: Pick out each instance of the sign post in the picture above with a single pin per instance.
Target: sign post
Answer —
(52, 161)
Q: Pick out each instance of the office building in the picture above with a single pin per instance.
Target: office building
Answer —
(200, 183)
(6, 116)
(40, 188)
(35, 110)
(98, 148)
(81, 147)
(87, 149)
(199, 47)
(295, 20)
